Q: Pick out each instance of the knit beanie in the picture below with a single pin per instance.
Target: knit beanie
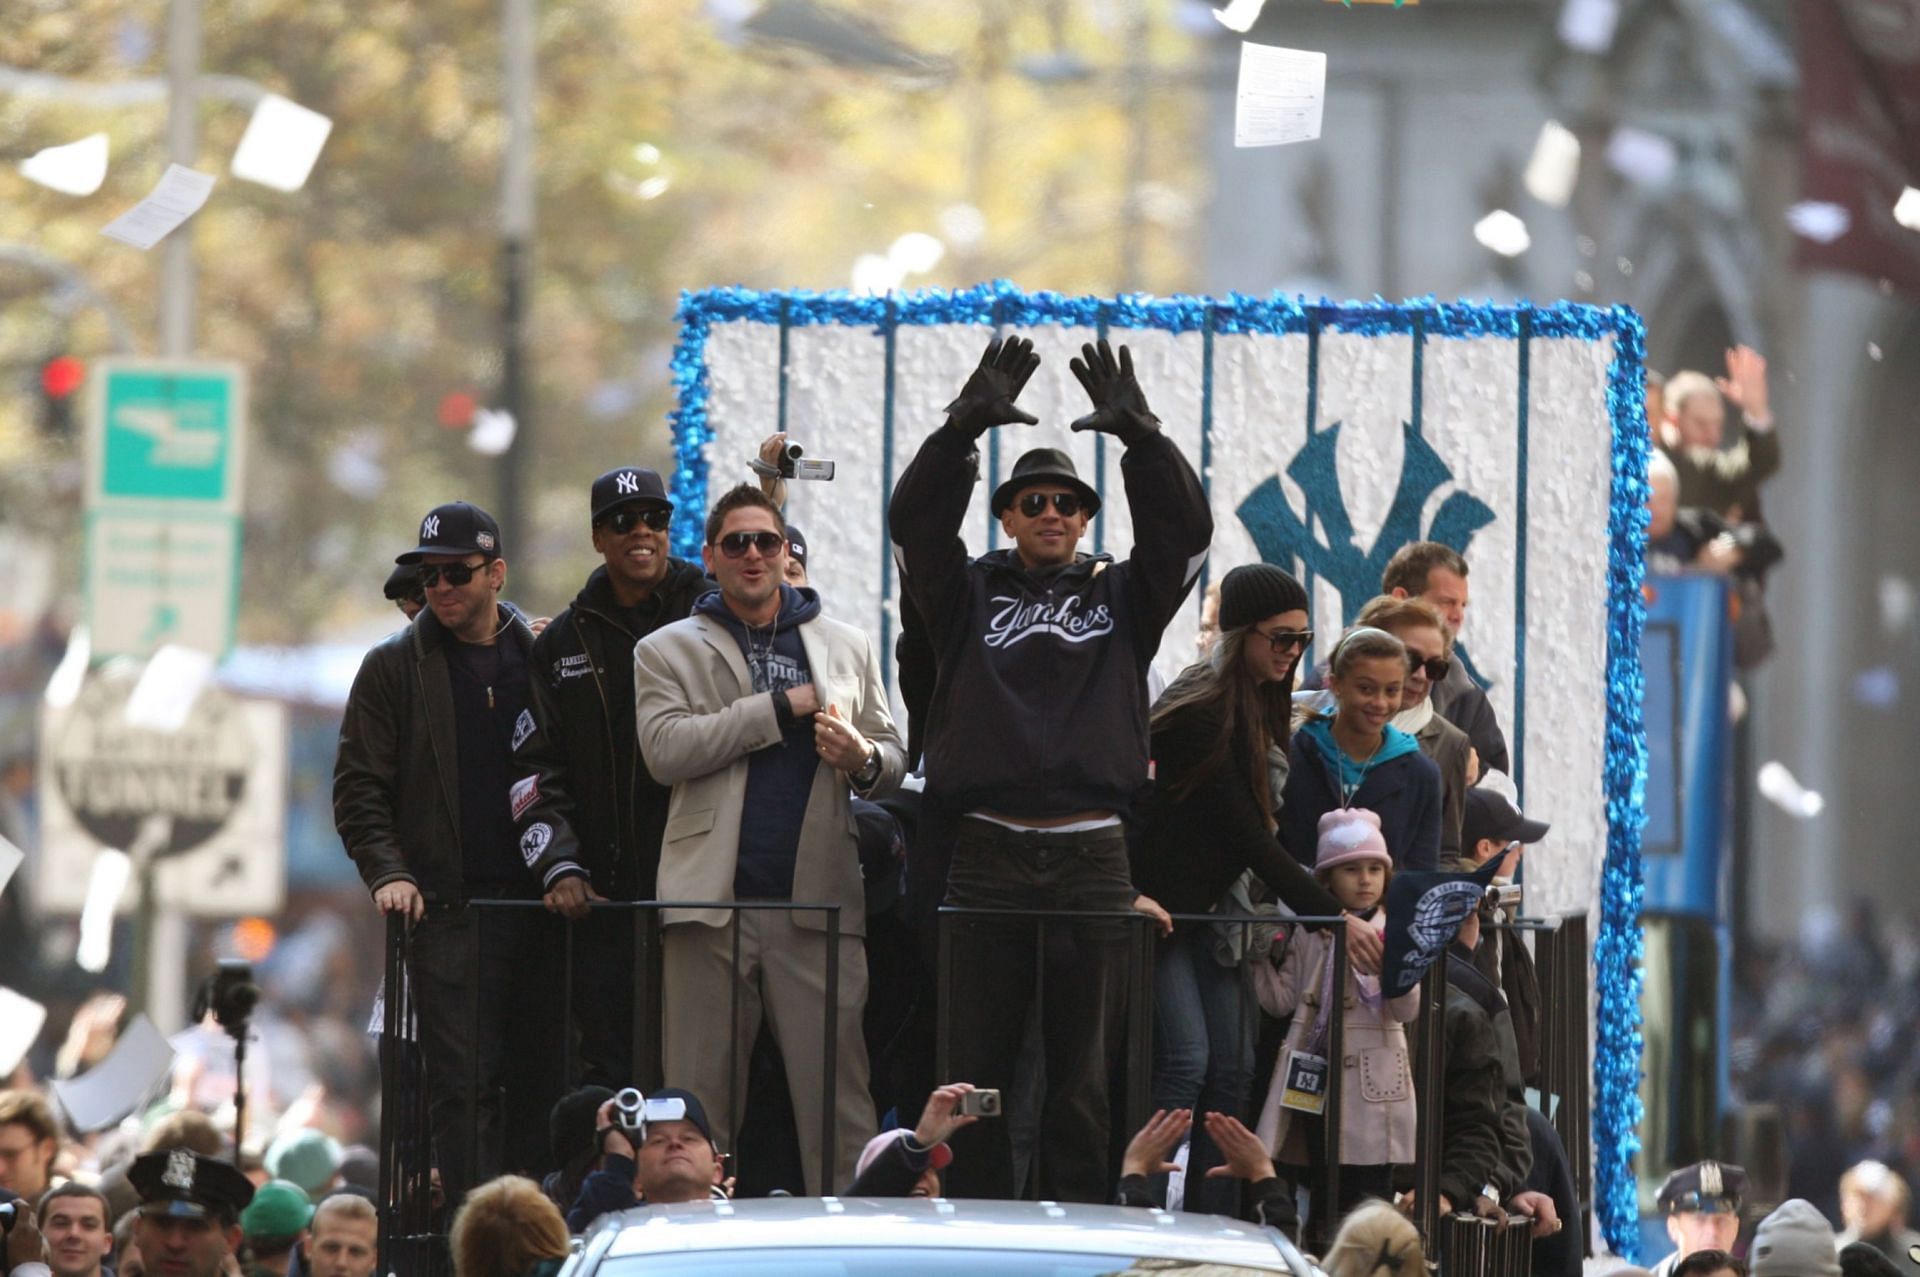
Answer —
(1349, 835)
(1795, 1241)
(1251, 593)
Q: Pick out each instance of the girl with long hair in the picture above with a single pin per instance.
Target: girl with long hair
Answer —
(1219, 747)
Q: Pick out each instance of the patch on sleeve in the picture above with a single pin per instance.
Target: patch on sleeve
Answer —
(522, 728)
(535, 840)
(525, 793)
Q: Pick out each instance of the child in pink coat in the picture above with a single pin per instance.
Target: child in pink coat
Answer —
(1376, 1076)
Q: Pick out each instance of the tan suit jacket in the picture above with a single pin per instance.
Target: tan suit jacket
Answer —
(700, 719)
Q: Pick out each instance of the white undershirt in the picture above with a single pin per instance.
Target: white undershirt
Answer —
(1074, 827)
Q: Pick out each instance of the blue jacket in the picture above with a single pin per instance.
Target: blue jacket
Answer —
(1404, 792)
(606, 1190)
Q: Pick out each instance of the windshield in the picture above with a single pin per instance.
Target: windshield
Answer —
(828, 1261)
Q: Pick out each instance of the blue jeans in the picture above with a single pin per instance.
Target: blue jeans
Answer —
(1203, 1030)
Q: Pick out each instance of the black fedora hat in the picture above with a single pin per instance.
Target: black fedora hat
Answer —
(1044, 465)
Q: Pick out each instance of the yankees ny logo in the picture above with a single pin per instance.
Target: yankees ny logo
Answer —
(1283, 538)
(627, 482)
(431, 528)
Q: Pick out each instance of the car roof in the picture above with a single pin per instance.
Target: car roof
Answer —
(940, 1223)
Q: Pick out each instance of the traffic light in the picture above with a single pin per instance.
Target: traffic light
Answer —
(60, 380)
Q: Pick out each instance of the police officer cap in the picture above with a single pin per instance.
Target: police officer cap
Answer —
(1709, 1188)
(180, 1183)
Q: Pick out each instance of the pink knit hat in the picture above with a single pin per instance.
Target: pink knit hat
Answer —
(1349, 835)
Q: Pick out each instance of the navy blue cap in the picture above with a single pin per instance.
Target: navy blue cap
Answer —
(458, 527)
(181, 1183)
(616, 488)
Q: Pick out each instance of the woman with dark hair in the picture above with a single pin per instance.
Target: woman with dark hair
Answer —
(1219, 749)
(1355, 757)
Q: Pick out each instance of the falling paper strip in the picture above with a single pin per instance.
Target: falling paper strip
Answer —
(77, 168)
(1502, 232)
(1778, 786)
(282, 141)
(140, 1062)
(1896, 604)
(1240, 15)
(1819, 220)
(68, 676)
(1643, 156)
(493, 431)
(162, 699)
(11, 858)
(1554, 166)
(1280, 95)
(916, 252)
(180, 195)
(21, 1020)
(105, 884)
(1588, 25)
(1906, 209)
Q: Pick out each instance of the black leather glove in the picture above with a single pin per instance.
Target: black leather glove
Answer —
(987, 399)
(1119, 407)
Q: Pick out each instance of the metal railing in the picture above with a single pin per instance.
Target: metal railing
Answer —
(412, 1227)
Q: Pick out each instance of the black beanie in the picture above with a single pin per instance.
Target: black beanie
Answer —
(570, 1127)
(1256, 591)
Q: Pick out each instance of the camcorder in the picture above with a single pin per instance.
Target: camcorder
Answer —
(9, 1213)
(632, 1111)
(794, 464)
(981, 1103)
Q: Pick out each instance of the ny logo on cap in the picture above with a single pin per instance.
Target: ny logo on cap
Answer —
(1711, 1182)
(627, 481)
(431, 528)
(179, 1172)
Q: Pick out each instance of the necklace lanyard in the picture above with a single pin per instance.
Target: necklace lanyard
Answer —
(1348, 792)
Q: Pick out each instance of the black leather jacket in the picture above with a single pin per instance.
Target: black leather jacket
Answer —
(578, 769)
(396, 779)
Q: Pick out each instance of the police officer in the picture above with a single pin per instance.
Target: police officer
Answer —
(590, 817)
(1702, 1206)
(189, 1211)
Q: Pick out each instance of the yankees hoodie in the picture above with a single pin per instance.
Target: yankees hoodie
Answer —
(1040, 707)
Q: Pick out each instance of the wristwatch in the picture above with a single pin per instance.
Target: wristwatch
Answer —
(869, 770)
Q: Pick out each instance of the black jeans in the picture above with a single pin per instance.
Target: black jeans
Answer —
(1076, 968)
(484, 982)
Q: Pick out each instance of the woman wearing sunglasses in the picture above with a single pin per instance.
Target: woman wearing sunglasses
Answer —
(1353, 756)
(1429, 643)
(1220, 736)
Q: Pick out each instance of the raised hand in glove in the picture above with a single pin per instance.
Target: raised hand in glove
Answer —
(1119, 407)
(987, 398)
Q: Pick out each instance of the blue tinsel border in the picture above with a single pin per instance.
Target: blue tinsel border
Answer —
(1618, 944)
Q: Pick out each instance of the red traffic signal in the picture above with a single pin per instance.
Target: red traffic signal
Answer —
(62, 376)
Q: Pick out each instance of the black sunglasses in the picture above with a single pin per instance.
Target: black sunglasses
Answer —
(457, 574)
(734, 544)
(1435, 666)
(1284, 639)
(1034, 504)
(627, 518)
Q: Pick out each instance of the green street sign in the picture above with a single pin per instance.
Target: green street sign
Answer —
(166, 433)
(155, 579)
